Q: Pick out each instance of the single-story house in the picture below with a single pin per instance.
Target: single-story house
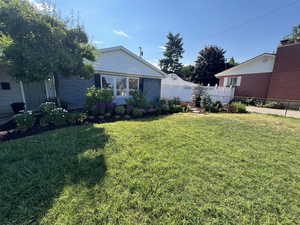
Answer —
(116, 68)
(270, 76)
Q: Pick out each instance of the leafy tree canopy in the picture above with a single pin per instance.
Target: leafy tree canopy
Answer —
(172, 54)
(36, 45)
(187, 72)
(210, 61)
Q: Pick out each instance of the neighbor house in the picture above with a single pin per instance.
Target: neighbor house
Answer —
(116, 68)
(270, 76)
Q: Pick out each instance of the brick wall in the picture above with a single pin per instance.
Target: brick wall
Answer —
(285, 80)
(252, 85)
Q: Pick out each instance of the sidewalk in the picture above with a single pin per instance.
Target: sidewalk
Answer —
(280, 112)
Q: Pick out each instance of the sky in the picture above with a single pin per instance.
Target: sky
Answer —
(243, 28)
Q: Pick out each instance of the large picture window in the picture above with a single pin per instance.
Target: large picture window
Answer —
(121, 86)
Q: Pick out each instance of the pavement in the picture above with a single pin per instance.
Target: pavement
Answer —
(279, 112)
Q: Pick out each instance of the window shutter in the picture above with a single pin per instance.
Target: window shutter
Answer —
(97, 78)
(141, 84)
(225, 81)
(239, 79)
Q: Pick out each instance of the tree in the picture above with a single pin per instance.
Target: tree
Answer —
(210, 61)
(231, 63)
(36, 45)
(187, 72)
(172, 54)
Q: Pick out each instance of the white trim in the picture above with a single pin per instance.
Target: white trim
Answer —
(46, 88)
(227, 72)
(120, 74)
(23, 94)
(118, 48)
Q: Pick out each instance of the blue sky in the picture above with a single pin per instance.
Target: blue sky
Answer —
(243, 28)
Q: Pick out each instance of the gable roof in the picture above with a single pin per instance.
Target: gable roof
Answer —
(139, 65)
(263, 63)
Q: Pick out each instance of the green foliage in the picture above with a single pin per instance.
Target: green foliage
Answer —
(216, 107)
(120, 110)
(206, 102)
(172, 54)
(211, 60)
(238, 107)
(274, 105)
(187, 72)
(76, 117)
(25, 121)
(138, 100)
(95, 95)
(40, 44)
(47, 107)
(56, 117)
(136, 112)
(165, 108)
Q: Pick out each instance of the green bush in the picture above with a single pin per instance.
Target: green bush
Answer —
(136, 112)
(95, 95)
(25, 121)
(216, 107)
(239, 107)
(165, 108)
(99, 109)
(57, 117)
(138, 100)
(47, 107)
(274, 105)
(76, 117)
(120, 110)
(206, 102)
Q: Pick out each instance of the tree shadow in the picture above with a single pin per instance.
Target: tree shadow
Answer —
(35, 170)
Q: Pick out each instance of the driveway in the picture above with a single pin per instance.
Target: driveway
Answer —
(280, 112)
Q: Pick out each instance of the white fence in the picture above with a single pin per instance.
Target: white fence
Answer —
(185, 93)
(222, 94)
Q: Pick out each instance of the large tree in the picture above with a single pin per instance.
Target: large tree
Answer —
(187, 72)
(36, 45)
(172, 54)
(210, 61)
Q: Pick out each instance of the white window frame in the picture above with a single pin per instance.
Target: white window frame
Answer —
(114, 84)
(229, 82)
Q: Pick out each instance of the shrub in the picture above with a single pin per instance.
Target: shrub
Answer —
(129, 109)
(239, 107)
(110, 107)
(151, 110)
(76, 117)
(95, 95)
(25, 121)
(216, 107)
(206, 102)
(165, 108)
(99, 109)
(137, 112)
(57, 117)
(120, 110)
(47, 107)
(138, 100)
(274, 105)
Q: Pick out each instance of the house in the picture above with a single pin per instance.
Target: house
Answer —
(116, 68)
(173, 86)
(270, 76)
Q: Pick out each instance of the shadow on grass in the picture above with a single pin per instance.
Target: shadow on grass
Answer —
(34, 170)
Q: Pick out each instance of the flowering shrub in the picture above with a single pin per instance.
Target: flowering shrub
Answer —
(76, 118)
(120, 110)
(25, 121)
(57, 117)
(138, 100)
(95, 95)
(47, 107)
(99, 109)
(137, 112)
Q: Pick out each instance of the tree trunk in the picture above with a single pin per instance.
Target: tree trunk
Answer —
(56, 80)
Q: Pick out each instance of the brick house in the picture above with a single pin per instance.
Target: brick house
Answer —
(271, 76)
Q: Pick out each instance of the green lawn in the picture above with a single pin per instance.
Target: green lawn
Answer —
(180, 169)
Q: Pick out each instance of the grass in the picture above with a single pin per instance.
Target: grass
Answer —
(180, 169)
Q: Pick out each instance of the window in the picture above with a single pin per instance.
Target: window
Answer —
(107, 82)
(5, 86)
(121, 86)
(232, 81)
(133, 85)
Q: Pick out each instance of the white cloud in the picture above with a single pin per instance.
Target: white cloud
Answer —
(162, 47)
(121, 33)
(41, 6)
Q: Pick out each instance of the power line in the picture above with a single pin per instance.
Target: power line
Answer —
(237, 26)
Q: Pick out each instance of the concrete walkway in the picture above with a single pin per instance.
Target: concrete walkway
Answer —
(280, 112)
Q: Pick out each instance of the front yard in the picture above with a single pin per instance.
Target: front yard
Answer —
(179, 169)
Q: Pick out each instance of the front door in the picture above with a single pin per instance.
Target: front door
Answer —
(35, 94)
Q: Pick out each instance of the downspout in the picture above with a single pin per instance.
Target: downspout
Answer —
(23, 94)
